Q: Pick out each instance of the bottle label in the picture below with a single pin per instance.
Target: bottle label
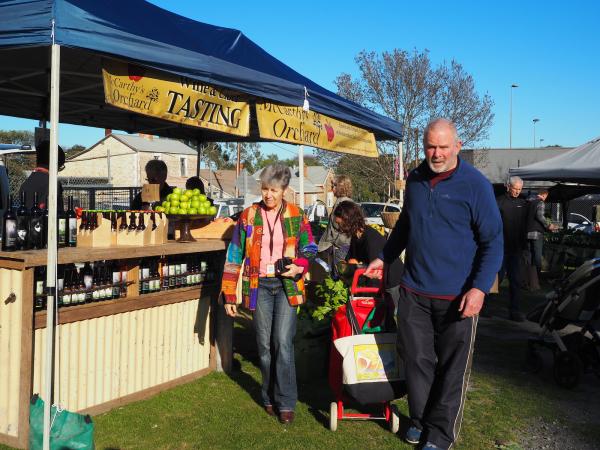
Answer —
(10, 233)
(72, 230)
(61, 284)
(67, 299)
(96, 295)
(87, 281)
(39, 287)
(62, 231)
(35, 232)
(22, 231)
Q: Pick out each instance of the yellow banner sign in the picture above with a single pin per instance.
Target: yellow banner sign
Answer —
(177, 99)
(293, 124)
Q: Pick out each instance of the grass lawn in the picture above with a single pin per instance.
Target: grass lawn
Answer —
(221, 411)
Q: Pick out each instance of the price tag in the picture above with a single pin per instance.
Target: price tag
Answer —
(270, 270)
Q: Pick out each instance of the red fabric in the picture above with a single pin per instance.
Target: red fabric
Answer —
(437, 177)
(302, 262)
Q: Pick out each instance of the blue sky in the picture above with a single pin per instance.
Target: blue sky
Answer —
(550, 49)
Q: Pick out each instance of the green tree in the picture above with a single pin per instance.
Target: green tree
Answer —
(409, 88)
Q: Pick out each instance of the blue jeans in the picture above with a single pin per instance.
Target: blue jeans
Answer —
(536, 247)
(275, 324)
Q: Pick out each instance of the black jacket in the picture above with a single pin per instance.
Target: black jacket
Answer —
(535, 217)
(369, 247)
(514, 213)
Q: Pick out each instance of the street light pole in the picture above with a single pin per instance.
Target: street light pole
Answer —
(534, 122)
(512, 86)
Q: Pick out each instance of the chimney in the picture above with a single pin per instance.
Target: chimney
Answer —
(107, 131)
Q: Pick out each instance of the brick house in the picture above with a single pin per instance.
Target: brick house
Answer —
(120, 159)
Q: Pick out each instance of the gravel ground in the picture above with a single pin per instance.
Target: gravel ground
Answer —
(579, 409)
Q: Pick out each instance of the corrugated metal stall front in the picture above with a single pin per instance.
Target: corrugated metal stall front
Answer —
(103, 359)
(11, 316)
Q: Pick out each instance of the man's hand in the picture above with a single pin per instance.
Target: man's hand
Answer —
(374, 269)
(471, 303)
(230, 309)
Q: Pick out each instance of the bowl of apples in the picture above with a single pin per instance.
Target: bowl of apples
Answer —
(184, 206)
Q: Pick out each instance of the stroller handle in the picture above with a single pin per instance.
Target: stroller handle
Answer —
(356, 289)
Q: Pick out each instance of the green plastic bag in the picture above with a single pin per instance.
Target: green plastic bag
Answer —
(69, 430)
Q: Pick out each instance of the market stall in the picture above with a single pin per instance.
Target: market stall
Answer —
(70, 56)
(576, 173)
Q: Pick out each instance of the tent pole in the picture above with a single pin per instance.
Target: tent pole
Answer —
(301, 175)
(400, 191)
(52, 248)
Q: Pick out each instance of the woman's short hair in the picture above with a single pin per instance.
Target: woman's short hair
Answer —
(276, 175)
(343, 185)
(352, 216)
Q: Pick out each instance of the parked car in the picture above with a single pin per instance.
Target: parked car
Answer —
(578, 222)
(373, 210)
(229, 207)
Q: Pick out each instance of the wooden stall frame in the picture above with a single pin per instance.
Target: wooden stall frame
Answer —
(28, 260)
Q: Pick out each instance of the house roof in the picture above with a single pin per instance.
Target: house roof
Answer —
(223, 179)
(146, 145)
(155, 145)
(317, 174)
(495, 163)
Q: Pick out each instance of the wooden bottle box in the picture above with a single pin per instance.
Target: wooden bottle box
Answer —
(134, 238)
(100, 237)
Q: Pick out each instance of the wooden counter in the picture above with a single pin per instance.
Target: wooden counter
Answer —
(107, 353)
(32, 258)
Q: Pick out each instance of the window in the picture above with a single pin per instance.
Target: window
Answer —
(183, 166)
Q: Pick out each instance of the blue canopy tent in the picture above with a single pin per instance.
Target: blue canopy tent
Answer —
(51, 55)
(137, 31)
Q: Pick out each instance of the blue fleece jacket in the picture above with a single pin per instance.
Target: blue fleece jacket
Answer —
(452, 233)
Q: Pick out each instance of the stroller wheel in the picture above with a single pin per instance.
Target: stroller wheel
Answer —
(333, 416)
(534, 362)
(567, 369)
(394, 419)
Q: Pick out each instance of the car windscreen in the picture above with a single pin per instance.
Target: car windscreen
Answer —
(372, 210)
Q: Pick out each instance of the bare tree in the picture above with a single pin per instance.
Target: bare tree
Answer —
(409, 89)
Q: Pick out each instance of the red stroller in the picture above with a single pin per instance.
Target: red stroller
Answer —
(366, 311)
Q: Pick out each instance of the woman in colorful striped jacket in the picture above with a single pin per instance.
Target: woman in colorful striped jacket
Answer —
(266, 232)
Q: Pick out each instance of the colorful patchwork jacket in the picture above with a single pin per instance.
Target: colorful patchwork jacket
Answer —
(245, 248)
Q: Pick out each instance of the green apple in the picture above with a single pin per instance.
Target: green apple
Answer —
(177, 190)
(174, 210)
(182, 211)
(175, 202)
(202, 210)
(166, 205)
(174, 196)
(188, 192)
(192, 211)
(159, 209)
(169, 197)
(196, 191)
(212, 210)
(184, 205)
(202, 197)
(195, 203)
(206, 204)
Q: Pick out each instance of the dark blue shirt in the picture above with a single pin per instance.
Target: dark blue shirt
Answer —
(452, 233)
